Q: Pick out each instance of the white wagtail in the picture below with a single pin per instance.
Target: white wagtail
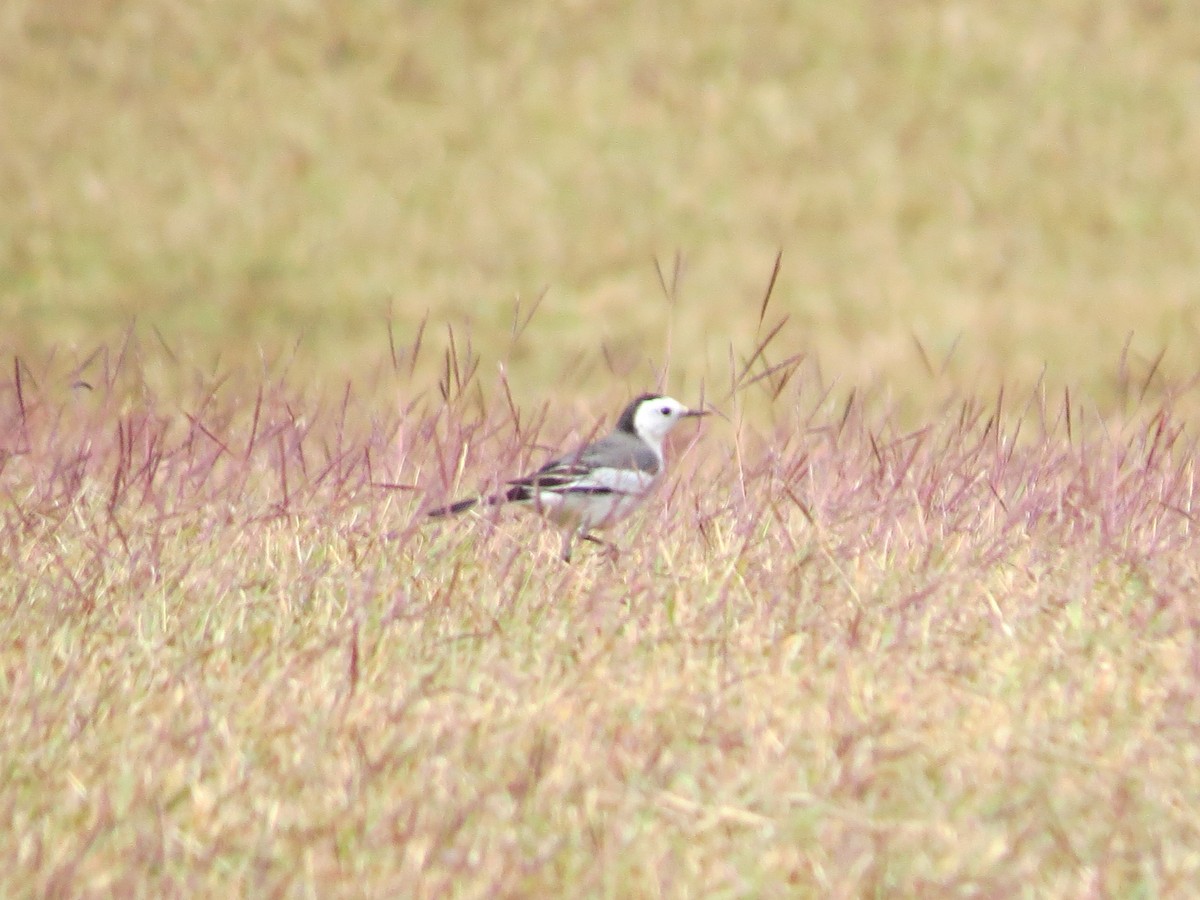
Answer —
(602, 482)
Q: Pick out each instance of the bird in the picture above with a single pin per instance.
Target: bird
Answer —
(600, 483)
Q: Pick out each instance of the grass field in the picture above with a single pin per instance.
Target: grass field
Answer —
(914, 616)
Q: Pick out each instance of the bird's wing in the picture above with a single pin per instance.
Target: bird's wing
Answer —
(616, 464)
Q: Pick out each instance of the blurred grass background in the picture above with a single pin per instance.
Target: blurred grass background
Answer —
(1019, 178)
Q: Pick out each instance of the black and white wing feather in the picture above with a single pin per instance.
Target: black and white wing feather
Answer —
(617, 464)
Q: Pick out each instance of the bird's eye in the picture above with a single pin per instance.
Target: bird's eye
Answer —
(666, 410)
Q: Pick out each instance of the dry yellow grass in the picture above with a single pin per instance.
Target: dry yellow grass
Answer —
(865, 643)
(863, 661)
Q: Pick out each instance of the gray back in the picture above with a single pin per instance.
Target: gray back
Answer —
(621, 451)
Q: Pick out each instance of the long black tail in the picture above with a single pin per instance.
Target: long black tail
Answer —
(514, 494)
(455, 508)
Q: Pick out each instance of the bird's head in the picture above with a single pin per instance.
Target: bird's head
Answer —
(652, 416)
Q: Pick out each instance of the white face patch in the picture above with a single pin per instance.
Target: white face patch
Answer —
(656, 417)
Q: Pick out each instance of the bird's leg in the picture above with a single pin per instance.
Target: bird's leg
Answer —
(610, 549)
(569, 536)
